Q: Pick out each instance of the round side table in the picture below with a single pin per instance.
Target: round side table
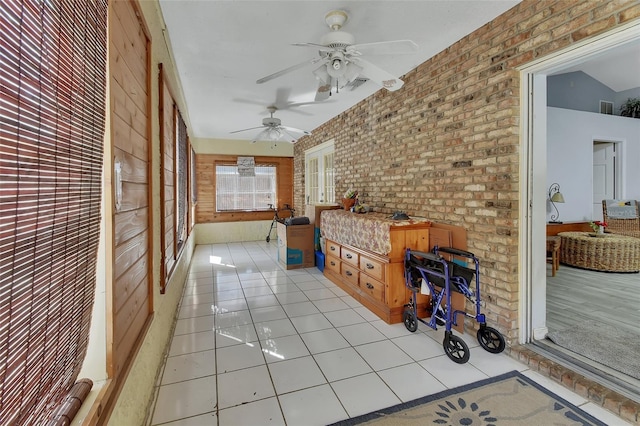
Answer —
(603, 252)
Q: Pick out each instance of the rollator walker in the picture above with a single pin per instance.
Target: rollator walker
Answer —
(441, 277)
(277, 218)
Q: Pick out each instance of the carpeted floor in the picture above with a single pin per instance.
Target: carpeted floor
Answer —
(609, 345)
(507, 400)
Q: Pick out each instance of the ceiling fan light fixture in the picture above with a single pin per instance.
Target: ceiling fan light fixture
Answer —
(352, 72)
(322, 74)
(274, 134)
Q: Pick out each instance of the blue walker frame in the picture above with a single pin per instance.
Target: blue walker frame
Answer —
(443, 276)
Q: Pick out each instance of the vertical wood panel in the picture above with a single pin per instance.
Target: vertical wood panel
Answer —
(130, 119)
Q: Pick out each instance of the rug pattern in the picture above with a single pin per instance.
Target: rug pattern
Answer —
(509, 399)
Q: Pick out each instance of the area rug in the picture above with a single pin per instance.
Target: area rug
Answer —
(603, 343)
(507, 400)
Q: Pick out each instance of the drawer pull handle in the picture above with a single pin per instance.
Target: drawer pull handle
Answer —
(348, 273)
(369, 266)
(333, 263)
(370, 286)
(348, 256)
(333, 248)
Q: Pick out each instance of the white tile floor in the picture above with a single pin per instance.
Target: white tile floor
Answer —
(255, 344)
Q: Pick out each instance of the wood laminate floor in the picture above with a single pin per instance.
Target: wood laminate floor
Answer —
(576, 295)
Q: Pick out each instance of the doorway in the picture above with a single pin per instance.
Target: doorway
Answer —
(605, 181)
(534, 287)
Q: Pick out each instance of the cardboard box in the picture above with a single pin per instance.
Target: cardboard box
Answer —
(295, 246)
(313, 211)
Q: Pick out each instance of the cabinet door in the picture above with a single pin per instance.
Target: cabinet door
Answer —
(372, 267)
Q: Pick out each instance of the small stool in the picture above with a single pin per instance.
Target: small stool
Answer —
(553, 253)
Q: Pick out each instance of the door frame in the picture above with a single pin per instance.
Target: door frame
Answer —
(533, 170)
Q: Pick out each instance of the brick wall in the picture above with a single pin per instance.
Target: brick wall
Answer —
(446, 146)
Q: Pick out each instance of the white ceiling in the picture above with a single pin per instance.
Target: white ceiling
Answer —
(222, 47)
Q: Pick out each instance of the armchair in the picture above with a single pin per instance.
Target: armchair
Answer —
(622, 217)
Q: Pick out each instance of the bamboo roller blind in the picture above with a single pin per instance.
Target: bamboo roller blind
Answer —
(52, 119)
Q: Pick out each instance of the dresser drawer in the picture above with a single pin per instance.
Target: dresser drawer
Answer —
(333, 249)
(372, 267)
(372, 287)
(350, 273)
(333, 264)
(349, 256)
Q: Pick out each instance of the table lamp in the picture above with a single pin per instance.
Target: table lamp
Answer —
(555, 196)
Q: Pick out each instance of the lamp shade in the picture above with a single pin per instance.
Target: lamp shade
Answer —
(557, 198)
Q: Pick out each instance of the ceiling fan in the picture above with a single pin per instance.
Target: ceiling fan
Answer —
(281, 102)
(341, 61)
(273, 130)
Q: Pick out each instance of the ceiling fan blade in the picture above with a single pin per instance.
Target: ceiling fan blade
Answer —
(282, 97)
(288, 70)
(359, 81)
(292, 138)
(379, 76)
(395, 47)
(248, 101)
(293, 129)
(321, 47)
(250, 128)
(323, 92)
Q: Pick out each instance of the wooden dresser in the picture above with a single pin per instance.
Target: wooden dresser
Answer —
(365, 257)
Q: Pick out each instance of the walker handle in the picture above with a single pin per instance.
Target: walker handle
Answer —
(428, 256)
(456, 252)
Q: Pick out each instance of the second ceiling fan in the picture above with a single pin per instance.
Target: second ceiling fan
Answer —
(341, 61)
(273, 130)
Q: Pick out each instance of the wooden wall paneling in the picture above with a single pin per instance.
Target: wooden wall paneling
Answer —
(130, 321)
(132, 298)
(130, 251)
(134, 169)
(130, 282)
(131, 223)
(206, 188)
(128, 35)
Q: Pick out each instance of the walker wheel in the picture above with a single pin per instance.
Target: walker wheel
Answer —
(268, 238)
(455, 348)
(409, 320)
(490, 339)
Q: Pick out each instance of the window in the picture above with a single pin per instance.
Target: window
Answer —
(181, 143)
(245, 193)
(320, 174)
(606, 107)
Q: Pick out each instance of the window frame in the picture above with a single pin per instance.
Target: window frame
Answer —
(319, 153)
